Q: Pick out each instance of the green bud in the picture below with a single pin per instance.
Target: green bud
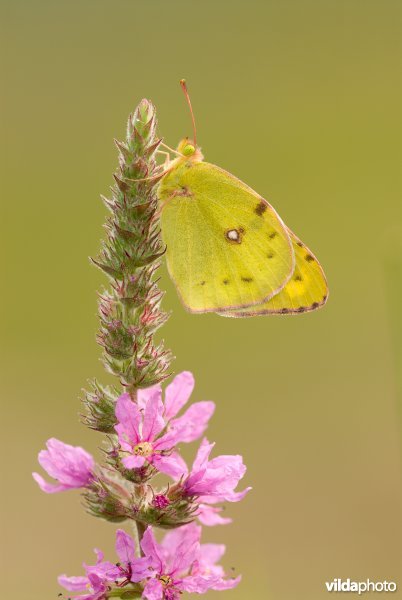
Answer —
(100, 404)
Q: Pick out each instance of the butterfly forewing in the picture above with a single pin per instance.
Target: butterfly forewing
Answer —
(226, 246)
(306, 290)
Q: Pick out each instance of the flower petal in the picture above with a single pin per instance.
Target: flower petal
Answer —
(152, 550)
(202, 456)
(73, 584)
(153, 590)
(175, 537)
(153, 420)
(197, 584)
(178, 393)
(144, 395)
(69, 455)
(183, 546)
(209, 515)
(210, 554)
(172, 465)
(133, 462)
(227, 584)
(236, 496)
(125, 548)
(129, 417)
(72, 466)
(49, 488)
(193, 423)
(141, 568)
(217, 478)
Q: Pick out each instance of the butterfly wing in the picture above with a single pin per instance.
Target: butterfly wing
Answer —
(307, 289)
(226, 246)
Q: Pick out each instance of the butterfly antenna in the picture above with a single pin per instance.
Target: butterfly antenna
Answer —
(187, 96)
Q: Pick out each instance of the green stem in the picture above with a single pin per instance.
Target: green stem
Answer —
(138, 531)
(126, 593)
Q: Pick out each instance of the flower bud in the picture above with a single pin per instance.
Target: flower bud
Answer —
(104, 498)
(100, 406)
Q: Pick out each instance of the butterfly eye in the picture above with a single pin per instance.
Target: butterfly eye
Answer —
(188, 150)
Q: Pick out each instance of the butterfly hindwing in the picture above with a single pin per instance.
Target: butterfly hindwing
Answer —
(226, 246)
(306, 290)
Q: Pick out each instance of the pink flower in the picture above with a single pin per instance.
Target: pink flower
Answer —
(95, 583)
(214, 480)
(72, 466)
(100, 577)
(180, 564)
(149, 430)
(130, 568)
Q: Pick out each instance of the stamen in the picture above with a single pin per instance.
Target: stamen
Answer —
(143, 449)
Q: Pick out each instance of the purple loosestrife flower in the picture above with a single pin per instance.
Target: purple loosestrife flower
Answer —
(214, 480)
(180, 564)
(71, 466)
(149, 430)
(129, 567)
(97, 581)
(100, 577)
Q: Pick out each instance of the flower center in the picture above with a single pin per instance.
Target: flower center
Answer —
(143, 449)
(165, 580)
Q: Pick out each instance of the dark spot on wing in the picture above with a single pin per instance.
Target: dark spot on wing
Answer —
(298, 277)
(324, 298)
(301, 309)
(272, 235)
(271, 255)
(247, 279)
(284, 311)
(309, 258)
(300, 244)
(202, 282)
(315, 305)
(226, 281)
(260, 208)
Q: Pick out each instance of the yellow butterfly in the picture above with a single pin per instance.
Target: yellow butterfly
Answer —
(227, 249)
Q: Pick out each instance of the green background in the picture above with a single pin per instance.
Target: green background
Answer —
(301, 99)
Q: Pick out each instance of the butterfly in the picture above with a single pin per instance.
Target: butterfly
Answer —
(227, 249)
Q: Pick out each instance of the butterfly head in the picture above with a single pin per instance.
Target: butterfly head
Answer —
(189, 150)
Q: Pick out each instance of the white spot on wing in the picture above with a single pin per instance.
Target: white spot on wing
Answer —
(233, 235)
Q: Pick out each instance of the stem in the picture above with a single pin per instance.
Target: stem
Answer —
(138, 530)
(133, 394)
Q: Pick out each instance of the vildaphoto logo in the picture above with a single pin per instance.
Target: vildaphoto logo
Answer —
(360, 587)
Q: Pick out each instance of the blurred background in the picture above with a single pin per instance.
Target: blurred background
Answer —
(301, 99)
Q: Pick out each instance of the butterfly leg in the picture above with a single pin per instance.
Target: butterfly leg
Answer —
(167, 159)
(163, 203)
(153, 178)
